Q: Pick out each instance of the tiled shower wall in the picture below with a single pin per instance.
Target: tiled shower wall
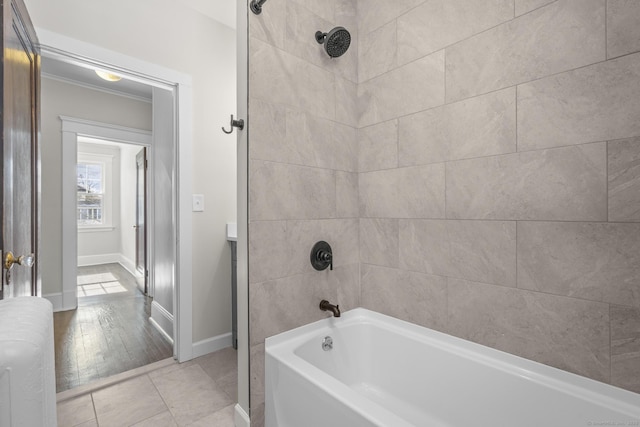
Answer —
(303, 171)
(499, 182)
(475, 165)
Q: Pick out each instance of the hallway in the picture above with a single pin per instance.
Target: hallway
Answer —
(109, 332)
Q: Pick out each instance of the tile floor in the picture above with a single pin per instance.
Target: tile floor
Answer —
(201, 392)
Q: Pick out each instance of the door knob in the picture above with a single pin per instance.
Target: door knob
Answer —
(10, 259)
(26, 260)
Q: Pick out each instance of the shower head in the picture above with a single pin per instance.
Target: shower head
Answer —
(336, 42)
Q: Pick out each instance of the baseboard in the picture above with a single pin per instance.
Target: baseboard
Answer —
(55, 300)
(162, 320)
(210, 345)
(58, 301)
(128, 265)
(241, 418)
(86, 260)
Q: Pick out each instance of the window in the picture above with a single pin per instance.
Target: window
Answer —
(91, 197)
(94, 175)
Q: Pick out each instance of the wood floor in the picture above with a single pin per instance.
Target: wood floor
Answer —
(109, 332)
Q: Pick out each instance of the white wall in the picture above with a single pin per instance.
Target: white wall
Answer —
(170, 34)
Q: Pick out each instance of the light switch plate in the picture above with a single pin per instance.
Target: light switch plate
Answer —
(198, 203)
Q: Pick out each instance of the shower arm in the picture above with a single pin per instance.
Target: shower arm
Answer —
(256, 6)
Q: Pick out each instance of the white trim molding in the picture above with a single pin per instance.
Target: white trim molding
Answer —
(162, 320)
(241, 418)
(210, 345)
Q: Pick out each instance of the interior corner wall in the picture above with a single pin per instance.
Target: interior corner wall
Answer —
(204, 49)
(60, 98)
(302, 172)
(497, 194)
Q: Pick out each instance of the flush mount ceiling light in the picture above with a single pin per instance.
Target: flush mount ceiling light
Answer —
(108, 76)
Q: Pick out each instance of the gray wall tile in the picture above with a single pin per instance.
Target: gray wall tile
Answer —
(566, 333)
(301, 26)
(625, 348)
(374, 13)
(379, 241)
(623, 31)
(257, 375)
(405, 90)
(281, 191)
(416, 192)
(288, 135)
(281, 248)
(595, 261)
(437, 24)
(324, 9)
(624, 180)
(346, 95)
(378, 145)
(473, 250)
(413, 297)
(377, 52)
(269, 250)
(562, 36)
(269, 26)
(283, 304)
(560, 184)
(524, 6)
(480, 126)
(341, 234)
(281, 78)
(596, 103)
(347, 195)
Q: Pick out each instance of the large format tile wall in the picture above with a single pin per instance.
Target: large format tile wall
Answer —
(499, 186)
(303, 171)
(475, 165)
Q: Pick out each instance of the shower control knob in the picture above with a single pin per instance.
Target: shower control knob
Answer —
(321, 256)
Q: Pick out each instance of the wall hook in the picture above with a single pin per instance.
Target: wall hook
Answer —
(234, 124)
(256, 6)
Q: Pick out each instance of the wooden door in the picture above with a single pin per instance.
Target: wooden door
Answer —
(141, 216)
(20, 108)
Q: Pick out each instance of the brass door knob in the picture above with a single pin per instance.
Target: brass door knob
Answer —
(26, 260)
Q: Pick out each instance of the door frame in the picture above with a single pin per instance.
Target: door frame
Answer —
(72, 128)
(145, 215)
(64, 48)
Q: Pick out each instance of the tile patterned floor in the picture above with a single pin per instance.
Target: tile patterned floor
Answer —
(201, 392)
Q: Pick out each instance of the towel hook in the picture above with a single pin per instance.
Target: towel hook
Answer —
(234, 124)
(256, 6)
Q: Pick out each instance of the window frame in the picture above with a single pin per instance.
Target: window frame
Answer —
(106, 160)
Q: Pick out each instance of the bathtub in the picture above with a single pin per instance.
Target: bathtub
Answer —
(382, 371)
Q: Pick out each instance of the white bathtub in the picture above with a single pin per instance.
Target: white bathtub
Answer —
(386, 372)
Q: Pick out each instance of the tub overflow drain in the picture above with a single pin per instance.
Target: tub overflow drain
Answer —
(327, 343)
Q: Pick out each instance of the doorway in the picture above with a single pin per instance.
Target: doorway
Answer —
(177, 89)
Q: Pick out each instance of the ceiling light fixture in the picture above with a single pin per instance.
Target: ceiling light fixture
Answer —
(108, 76)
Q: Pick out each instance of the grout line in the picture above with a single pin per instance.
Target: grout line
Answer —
(112, 380)
(606, 175)
(606, 32)
(95, 412)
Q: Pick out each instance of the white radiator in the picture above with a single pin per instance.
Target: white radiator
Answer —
(27, 363)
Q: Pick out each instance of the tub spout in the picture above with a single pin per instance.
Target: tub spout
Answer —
(326, 306)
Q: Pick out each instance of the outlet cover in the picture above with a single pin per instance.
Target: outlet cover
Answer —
(198, 203)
